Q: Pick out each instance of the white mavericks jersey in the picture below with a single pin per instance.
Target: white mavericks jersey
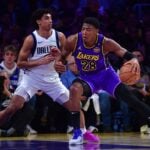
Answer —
(43, 47)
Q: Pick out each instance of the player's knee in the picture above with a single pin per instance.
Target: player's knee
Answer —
(17, 103)
(74, 89)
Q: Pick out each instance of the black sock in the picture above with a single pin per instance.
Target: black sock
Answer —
(75, 117)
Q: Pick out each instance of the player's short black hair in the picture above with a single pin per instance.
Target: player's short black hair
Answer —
(38, 15)
(92, 21)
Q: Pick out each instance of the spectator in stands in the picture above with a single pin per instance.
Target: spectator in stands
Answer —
(106, 114)
(9, 65)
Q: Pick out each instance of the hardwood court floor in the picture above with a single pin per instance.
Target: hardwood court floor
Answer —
(115, 141)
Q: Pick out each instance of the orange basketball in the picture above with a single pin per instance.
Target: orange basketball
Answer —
(128, 77)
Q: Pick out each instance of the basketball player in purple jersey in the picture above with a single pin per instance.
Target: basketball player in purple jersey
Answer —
(90, 49)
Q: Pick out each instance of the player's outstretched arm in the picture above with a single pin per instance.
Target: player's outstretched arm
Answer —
(110, 45)
(69, 46)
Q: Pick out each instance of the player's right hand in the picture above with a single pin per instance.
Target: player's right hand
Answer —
(55, 52)
(46, 59)
(59, 67)
(135, 67)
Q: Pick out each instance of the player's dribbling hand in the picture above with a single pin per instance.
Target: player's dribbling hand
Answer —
(59, 67)
(135, 65)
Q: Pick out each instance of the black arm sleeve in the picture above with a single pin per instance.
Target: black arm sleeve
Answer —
(128, 56)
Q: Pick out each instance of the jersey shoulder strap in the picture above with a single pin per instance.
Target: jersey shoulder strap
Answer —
(34, 44)
(57, 39)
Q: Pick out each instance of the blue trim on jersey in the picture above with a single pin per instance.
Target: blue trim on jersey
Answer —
(34, 44)
(57, 39)
(1, 68)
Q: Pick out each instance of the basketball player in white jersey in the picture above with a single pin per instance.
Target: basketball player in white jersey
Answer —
(37, 57)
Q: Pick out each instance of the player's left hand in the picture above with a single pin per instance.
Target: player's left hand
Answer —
(135, 67)
(59, 67)
(55, 52)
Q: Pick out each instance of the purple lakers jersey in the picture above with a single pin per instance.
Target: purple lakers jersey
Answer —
(93, 66)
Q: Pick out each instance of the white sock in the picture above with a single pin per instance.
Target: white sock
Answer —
(83, 130)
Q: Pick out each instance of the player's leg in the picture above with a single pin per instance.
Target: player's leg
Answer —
(80, 90)
(18, 122)
(20, 96)
(122, 92)
(71, 101)
(15, 104)
(73, 105)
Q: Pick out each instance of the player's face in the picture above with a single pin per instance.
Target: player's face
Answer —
(89, 33)
(45, 22)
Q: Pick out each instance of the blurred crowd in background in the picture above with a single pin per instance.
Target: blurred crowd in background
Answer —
(123, 20)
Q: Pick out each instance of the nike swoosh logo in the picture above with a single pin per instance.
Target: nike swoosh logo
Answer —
(39, 42)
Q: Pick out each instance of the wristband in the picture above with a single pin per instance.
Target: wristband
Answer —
(128, 56)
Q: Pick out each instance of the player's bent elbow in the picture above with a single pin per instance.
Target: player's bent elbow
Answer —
(19, 64)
